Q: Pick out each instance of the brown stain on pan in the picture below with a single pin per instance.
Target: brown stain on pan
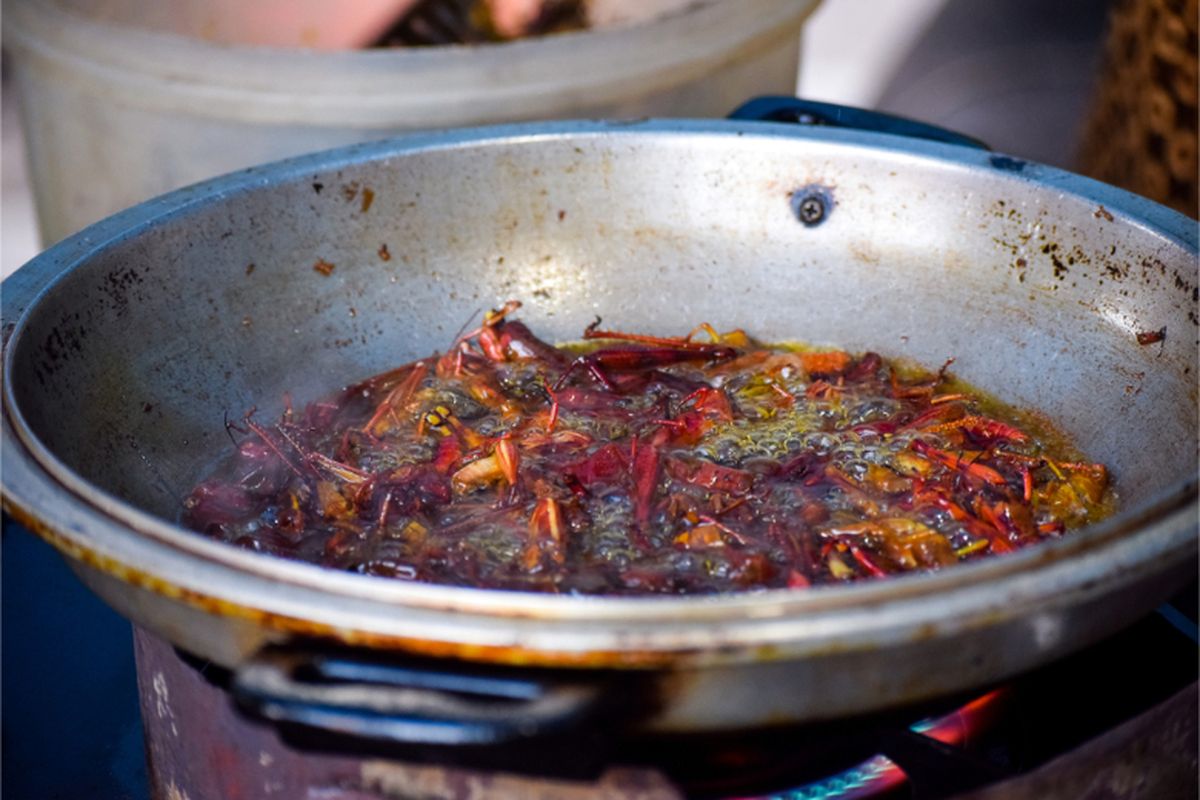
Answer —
(491, 654)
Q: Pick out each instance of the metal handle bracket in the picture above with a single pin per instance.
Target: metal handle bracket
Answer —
(778, 108)
(363, 696)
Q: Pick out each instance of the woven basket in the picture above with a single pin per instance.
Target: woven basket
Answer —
(1141, 133)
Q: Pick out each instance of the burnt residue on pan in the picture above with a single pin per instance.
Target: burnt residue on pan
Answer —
(1048, 259)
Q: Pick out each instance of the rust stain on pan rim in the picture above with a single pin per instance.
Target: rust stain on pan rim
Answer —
(283, 623)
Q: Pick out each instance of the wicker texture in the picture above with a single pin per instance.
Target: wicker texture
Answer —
(1142, 130)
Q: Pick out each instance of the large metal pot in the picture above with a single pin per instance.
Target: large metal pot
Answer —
(127, 344)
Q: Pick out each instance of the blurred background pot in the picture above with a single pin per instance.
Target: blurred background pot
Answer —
(123, 101)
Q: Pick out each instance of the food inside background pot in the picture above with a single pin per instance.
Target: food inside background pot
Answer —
(433, 22)
(635, 464)
(362, 24)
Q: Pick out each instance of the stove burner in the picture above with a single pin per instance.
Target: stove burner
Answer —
(879, 775)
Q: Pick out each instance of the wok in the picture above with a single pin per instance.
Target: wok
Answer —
(128, 344)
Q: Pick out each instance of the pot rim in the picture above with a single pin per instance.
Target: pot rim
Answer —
(136, 547)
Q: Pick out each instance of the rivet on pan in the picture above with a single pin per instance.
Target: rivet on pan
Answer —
(811, 210)
(811, 205)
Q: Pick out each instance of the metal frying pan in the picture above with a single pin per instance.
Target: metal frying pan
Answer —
(127, 344)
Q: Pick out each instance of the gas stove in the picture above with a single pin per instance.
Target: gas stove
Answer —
(1115, 721)
(1118, 720)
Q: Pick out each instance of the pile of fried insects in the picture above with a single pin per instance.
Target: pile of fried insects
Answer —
(634, 464)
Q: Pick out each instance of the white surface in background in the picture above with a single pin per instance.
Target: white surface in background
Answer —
(18, 226)
(852, 47)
